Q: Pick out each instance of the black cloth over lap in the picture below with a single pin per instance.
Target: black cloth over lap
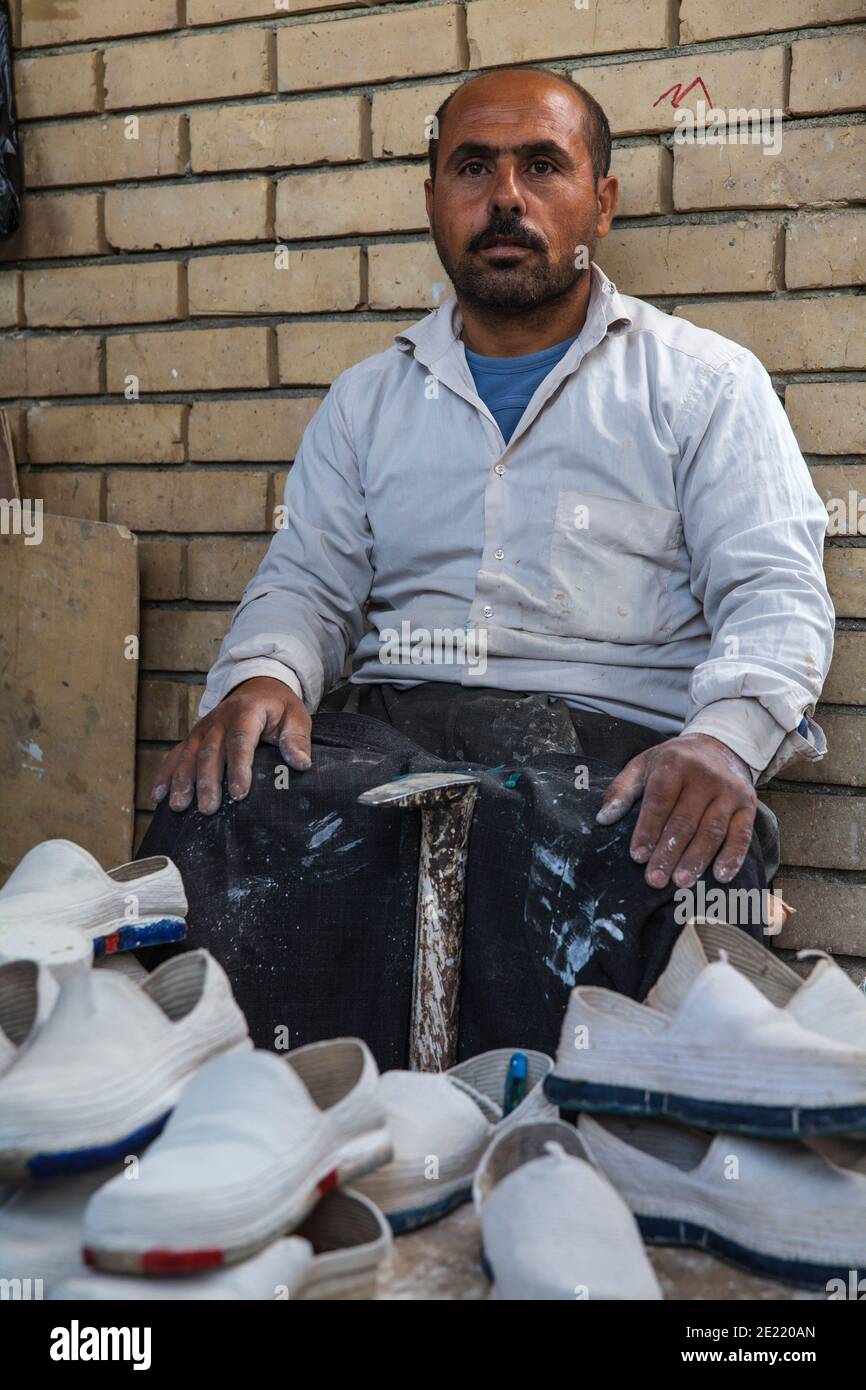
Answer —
(308, 898)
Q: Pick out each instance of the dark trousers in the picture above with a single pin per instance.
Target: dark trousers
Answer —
(308, 898)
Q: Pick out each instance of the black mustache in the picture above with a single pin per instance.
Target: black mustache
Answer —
(497, 230)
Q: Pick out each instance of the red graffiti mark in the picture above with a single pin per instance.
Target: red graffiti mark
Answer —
(680, 94)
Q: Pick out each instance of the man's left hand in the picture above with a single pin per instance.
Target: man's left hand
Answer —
(698, 808)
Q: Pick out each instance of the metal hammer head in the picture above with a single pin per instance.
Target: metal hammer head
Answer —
(420, 789)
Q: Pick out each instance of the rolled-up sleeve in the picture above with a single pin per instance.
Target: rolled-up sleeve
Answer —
(754, 526)
(302, 613)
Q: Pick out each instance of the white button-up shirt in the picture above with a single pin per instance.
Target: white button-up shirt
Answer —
(647, 544)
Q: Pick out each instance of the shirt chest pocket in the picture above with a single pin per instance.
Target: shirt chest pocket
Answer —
(611, 567)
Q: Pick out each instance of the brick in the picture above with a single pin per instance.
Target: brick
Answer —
(705, 19)
(148, 219)
(10, 299)
(55, 366)
(161, 569)
(60, 85)
(645, 173)
(147, 761)
(221, 567)
(338, 202)
(17, 420)
(48, 23)
(99, 152)
(219, 11)
(376, 48)
(268, 135)
(815, 166)
(66, 493)
(825, 832)
(830, 915)
(182, 639)
(845, 568)
(791, 335)
(828, 74)
(82, 295)
(197, 67)
(712, 259)
(630, 92)
(106, 434)
(293, 282)
(57, 224)
(846, 680)
(213, 359)
(162, 709)
(406, 275)
(828, 248)
(828, 417)
(522, 31)
(400, 118)
(188, 501)
(263, 431)
(844, 763)
(194, 698)
(313, 354)
(842, 488)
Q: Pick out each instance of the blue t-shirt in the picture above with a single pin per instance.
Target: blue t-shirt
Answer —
(507, 384)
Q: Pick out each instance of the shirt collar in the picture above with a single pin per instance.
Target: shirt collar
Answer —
(432, 337)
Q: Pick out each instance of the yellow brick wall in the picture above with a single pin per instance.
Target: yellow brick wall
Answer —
(172, 146)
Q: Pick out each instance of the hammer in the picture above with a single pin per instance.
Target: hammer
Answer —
(446, 801)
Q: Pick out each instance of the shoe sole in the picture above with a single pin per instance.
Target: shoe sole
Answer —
(353, 1161)
(663, 1230)
(18, 1167)
(765, 1121)
(157, 931)
(413, 1218)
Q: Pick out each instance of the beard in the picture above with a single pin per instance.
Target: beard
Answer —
(517, 288)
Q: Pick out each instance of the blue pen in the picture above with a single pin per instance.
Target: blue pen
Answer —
(515, 1082)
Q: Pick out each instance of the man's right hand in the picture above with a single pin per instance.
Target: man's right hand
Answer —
(261, 710)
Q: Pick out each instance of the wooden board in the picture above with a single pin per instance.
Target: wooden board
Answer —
(8, 471)
(68, 607)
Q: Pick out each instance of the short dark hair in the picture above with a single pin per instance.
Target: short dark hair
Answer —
(597, 127)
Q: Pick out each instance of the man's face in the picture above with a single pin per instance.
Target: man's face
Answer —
(514, 195)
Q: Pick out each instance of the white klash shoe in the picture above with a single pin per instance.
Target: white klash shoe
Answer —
(27, 996)
(255, 1142)
(827, 1001)
(109, 1064)
(275, 1273)
(58, 883)
(441, 1123)
(351, 1240)
(725, 1059)
(778, 1210)
(553, 1227)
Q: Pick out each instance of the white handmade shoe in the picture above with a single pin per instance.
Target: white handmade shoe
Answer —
(552, 1226)
(827, 1001)
(109, 1064)
(275, 1273)
(441, 1123)
(27, 996)
(254, 1143)
(780, 1210)
(351, 1240)
(59, 883)
(725, 1059)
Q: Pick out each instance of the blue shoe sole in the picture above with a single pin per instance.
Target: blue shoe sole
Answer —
(765, 1121)
(414, 1218)
(52, 1165)
(137, 934)
(662, 1230)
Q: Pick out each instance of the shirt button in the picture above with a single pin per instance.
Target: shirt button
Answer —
(500, 554)
(500, 469)
(488, 612)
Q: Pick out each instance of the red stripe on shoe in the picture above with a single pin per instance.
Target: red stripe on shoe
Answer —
(180, 1261)
(329, 1182)
(111, 943)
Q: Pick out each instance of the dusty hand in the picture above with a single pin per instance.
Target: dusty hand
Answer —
(698, 807)
(260, 710)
